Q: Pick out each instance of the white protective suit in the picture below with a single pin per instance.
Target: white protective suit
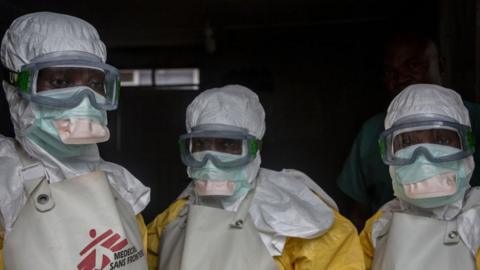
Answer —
(28, 37)
(427, 99)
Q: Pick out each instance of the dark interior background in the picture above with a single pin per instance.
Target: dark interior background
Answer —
(316, 65)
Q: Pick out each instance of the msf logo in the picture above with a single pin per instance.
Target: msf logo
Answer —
(100, 252)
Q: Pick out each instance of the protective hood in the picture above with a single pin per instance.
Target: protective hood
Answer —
(36, 34)
(231, 105)
(433, 102)
(427, 99)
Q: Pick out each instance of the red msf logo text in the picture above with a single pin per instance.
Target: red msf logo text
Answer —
(101, 250)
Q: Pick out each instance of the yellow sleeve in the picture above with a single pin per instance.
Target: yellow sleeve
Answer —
(339, 248)
(143, 230)
(155, 229)
(477, 260)
(366, 240)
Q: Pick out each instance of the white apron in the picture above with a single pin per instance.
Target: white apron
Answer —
(413, 242)
(79, 223)
(207, 238)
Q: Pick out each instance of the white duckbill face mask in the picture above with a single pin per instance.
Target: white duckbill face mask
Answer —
(83, 124)
(81, 131)
(209, 180)
(426, 179)
(67, 132)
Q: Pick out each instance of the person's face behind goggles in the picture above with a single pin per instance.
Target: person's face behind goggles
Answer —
(223, 145)
(235, 146)
(439, 132)
(76, 79)
(64, 77)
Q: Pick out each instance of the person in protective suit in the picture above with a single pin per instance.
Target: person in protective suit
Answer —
(433, 222)
(61, 205)
(236, 215)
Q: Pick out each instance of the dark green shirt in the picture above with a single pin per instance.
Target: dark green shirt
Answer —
(365, 177)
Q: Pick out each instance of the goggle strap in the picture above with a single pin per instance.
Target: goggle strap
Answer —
(254, 147)
(470, 140)
(259, 145)
(9, 75)
(381, 146)
(117, 90)
(22, 80)
(18, 79)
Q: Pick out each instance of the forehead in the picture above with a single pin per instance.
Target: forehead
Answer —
(400, 52)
